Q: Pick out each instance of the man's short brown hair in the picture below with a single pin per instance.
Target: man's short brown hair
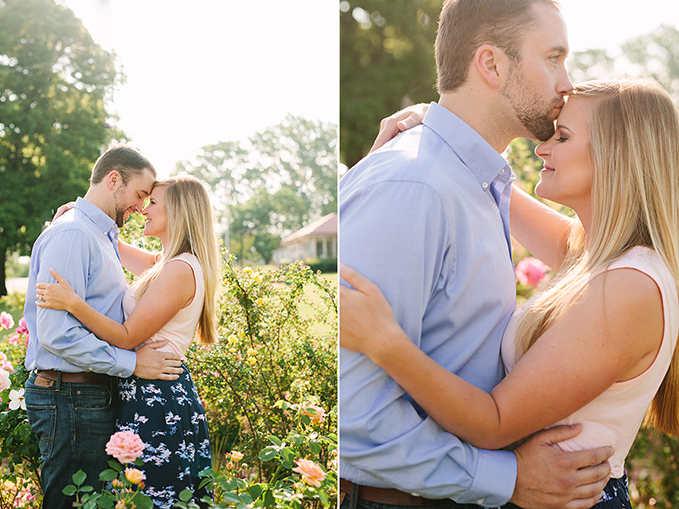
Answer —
(465, 25)
(127, 161)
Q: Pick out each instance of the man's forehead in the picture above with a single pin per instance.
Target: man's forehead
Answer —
(144, 183)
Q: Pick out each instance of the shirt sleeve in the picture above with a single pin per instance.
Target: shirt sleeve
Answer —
(397, 235)
(59, 332)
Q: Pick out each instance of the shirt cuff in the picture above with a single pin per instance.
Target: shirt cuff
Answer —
(494, 480)
(125, 365)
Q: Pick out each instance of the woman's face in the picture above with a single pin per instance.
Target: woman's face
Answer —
(156, 214)
(567, 175)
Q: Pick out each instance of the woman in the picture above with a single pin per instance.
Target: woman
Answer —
(597, 345)
(174, 299)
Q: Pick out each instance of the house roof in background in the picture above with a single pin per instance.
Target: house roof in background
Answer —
(327, 225)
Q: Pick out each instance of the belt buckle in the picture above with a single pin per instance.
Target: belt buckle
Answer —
(41, 381)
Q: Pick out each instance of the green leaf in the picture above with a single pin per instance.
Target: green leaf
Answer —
(185, 496)
(115, 465)
(275, 440)
(255, 491)
(268, 454)
(79, 477)
(231, 498)
(108, 475)
(324, 497)
(69, 490)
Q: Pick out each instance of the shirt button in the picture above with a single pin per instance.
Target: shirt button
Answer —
(485, 185)
(480, 501)
(501, 172)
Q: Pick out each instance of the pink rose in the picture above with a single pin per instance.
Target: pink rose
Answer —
(6, 320)
(125, 446)
(311, 473)
(21, 329)
(530, 271)
(5, 382)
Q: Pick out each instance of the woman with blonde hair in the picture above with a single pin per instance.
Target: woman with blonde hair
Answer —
(597, 345)
(174, 299)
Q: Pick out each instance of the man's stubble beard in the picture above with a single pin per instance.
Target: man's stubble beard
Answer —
(533, 112)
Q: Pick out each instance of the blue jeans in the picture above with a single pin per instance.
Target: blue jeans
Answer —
(73, 422)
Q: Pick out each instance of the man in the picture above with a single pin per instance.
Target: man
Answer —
(71, 396)
(426, 219)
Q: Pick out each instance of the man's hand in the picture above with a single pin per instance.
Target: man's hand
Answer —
(153, 364)
(549, 478)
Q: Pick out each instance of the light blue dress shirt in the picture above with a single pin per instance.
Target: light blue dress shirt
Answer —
(427, 219)
(81, 246)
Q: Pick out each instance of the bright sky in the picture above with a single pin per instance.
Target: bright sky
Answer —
(594, 24)
(205, 71)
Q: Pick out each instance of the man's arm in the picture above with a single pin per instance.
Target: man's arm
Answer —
(62, 335)
(391, 234)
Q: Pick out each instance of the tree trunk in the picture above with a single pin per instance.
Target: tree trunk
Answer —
(3, 281)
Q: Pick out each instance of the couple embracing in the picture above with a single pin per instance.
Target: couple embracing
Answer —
(446, 390)
(107, 358)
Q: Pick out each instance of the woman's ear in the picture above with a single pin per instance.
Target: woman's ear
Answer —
(492, 65)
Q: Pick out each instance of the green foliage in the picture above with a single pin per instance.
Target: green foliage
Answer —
(55, 83)
(281, 179)
(268, 354)
(324, 265)
(386, 63)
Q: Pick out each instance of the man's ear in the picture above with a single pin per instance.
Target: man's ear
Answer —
(114, 180)
(492, 65)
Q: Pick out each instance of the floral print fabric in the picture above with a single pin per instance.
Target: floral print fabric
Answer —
(170, 419)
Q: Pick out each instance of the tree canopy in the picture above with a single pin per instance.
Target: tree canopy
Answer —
(386, 63)
(278, 181)
(55, 83)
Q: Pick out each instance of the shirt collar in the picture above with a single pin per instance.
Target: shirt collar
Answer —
(101, 220)
(474, 151)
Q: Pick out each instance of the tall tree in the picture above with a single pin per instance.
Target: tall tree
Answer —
(386, 63)
(54, 86)
(281, 179)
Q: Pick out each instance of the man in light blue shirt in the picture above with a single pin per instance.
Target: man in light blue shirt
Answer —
(71, 396)
(427, 219)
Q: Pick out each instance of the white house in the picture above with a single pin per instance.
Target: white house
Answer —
(316, 240)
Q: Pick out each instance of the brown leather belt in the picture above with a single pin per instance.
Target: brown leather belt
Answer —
(391, 496)
(75, 378)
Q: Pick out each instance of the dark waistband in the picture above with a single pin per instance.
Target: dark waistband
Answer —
(75, 378)
(391, 496)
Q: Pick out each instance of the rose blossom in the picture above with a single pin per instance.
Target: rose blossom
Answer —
(125, 446)
(6, 320)
(311, 473)
(315, 413)
(530, 271)
(236, 456)
(134, 476)
(21, 329)
(16, 399)
(5, 382)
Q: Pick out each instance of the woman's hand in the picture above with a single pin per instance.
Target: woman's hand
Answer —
(63, 209)
(57, 295)
(367, 323)
(398, 122)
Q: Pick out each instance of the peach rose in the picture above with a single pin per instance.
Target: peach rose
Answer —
(315, 413)
(125, 446)
(236, 456)
(311, 473)
(134, 476)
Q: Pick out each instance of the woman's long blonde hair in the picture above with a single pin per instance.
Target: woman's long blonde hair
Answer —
(190, 230)
(634, 149)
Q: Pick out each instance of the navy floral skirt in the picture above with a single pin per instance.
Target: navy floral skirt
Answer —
(170, 419)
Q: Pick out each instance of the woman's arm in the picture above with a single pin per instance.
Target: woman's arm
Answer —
(540, 229)
(134, 259)
(172, 290)
(611, 333)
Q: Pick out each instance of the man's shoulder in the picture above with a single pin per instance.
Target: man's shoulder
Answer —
(66, 228)
(416, 156)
